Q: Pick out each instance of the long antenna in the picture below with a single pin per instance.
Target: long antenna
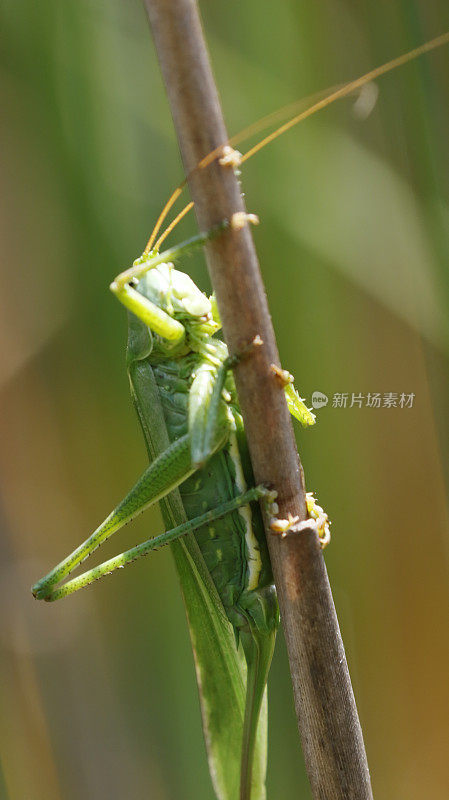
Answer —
(329, 97)
(348, 88)
(173, 224)
(246, 133)
(162, 216)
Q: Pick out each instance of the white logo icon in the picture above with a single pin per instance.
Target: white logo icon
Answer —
(319, 400)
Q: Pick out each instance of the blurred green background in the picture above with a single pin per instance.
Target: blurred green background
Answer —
(98, 693)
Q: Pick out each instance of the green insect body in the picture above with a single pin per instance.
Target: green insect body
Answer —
(233, 547)
(184, 393)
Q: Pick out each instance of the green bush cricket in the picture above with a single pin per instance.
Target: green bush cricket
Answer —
(177, 369)
(182, 387)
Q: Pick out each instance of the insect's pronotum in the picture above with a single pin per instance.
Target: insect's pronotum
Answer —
(183, 390)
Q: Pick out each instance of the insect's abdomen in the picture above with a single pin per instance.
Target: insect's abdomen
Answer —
(233, 547)
(222, 543)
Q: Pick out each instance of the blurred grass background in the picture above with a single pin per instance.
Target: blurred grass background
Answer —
(98, 693)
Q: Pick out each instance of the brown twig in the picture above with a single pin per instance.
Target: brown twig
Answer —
(327, 716)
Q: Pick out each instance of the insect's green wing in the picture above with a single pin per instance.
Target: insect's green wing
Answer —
(220, 667)
(221, 676)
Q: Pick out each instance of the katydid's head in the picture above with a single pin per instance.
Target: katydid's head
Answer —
(176, 312)
(175, 293)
